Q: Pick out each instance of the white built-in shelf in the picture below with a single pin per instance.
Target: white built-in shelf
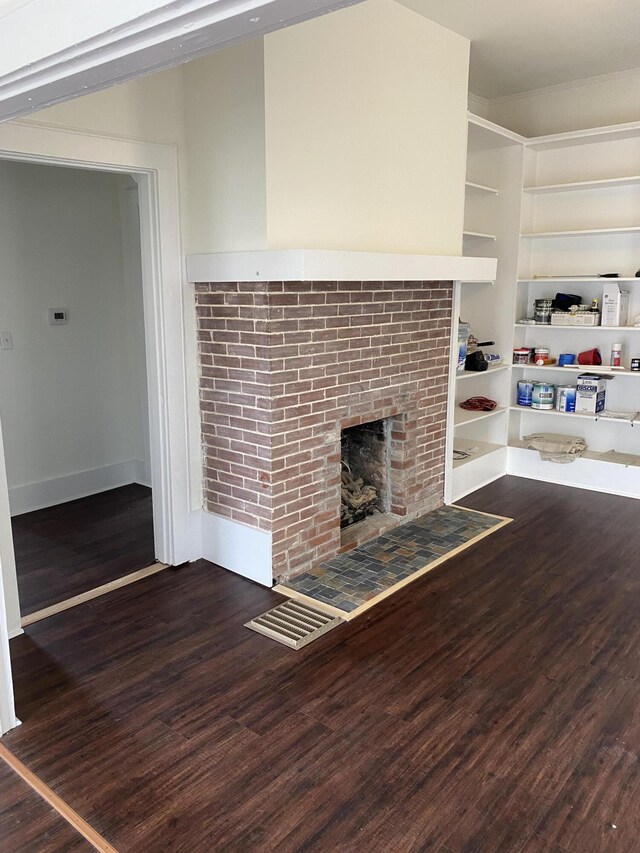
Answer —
(575, 280)
(611, 133)
(481, 188)
(478, 235)
(580, 368)
(585, 232)
(479, 448)
(602, 183)
(575, 415)
(462, 416)
(610, 456)
(489, 135)
(469, 374)
(539, 326)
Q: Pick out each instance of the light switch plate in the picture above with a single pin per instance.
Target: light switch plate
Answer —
(6, 341)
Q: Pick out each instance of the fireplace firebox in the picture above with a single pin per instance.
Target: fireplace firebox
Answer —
(365, 471)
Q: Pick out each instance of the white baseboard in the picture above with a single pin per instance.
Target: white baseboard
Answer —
(142, 470)
(69, 487)
(241, 549)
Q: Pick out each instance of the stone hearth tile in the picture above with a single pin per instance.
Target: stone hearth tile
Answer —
(352, 579)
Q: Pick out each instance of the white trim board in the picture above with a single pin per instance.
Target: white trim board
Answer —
(234, 546)
(328, 265)
(33, 496)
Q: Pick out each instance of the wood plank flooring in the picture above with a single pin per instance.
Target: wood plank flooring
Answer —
(68, 549)
(28, 824)
(493, 705)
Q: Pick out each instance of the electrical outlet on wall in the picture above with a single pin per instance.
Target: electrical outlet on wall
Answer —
(6, 341)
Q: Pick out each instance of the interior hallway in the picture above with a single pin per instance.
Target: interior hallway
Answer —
(491, 705)
(76, 546)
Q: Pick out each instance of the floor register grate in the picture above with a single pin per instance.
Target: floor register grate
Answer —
(294, 623)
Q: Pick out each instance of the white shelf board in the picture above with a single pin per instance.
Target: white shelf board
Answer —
(478, 235)
(575, 415)
(575, 280)
(610, 456)
(494, 132)
(462, 416)
(574, 186)
(484, 448)
(580, 368)
(327, 265)
(481, 188)
(585, 232)
(592, 471)
(585, 137)
(539, 326)
(469, 374)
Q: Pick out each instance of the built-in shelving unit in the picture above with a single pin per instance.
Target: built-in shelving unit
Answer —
(577, 368)
(593, 329)
(601, 416)
(580, 215)
(575, 186)
(475, 374)
(478, 235)
(564, 209)
(492, 213)
(582, 232)
(466, 416)
(576, 280)
(482, 188)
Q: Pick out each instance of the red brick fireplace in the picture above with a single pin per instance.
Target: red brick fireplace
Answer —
(285, 368)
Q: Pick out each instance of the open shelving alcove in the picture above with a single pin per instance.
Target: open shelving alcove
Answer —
(557, 212)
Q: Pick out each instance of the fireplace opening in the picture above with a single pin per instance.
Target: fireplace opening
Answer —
(365, 463)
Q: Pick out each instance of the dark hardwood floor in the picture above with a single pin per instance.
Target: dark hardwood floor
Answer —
(28, 824)
(492, 705)
(68, 549)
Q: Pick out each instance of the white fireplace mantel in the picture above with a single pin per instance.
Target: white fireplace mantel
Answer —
(326, 265)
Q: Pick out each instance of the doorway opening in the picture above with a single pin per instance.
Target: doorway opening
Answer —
(73, 381)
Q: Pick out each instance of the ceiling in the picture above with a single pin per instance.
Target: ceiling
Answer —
(520, 45)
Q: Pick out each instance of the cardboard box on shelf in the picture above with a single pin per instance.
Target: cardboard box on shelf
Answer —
(615, 305)
(590, 393)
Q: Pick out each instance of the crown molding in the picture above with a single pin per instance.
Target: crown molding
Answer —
(571, 84)
(477, 104)
(170, 34)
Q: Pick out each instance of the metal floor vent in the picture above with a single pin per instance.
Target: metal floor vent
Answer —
(293, 623)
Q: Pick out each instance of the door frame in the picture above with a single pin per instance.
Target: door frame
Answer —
(155, 168)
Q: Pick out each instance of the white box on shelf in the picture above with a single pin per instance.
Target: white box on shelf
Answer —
(615, 305)
(590, 393)
(581, 318)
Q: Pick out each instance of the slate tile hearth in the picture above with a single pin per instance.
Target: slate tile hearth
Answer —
(351, 579)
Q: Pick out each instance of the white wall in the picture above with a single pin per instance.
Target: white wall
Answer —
(366, 132)
(592, 102)
(69, 395)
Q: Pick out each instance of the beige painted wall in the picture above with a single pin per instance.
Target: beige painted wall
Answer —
(225, 159)
(366, 132)
(593, 102)
(150, 108)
